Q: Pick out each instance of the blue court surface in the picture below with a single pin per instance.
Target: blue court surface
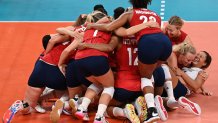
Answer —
(68, 10)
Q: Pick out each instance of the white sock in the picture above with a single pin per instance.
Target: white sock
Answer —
(172, 104)
(149, 98)
(85, 103)
(118, 112)
(101, 109)
(169, 89)
(64, 98)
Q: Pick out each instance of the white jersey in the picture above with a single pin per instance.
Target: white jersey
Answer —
(192, 72)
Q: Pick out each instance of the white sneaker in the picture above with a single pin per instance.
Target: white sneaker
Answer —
(100, 119)
(152, 115)
(129, 111)
(189, 105)
(39, 109)
(82, 114)
(141, 108)
(162, 112)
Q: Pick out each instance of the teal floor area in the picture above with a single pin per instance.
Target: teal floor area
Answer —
(68, 10)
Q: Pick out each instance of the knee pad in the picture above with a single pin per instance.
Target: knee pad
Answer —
(109, 91)
(166, 72)
(146, 82)
(45, 40)
(95, 88)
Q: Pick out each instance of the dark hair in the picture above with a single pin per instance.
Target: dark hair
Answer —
(100, 7)
(118, 11)
(45, 40)
(140, 3)
(207, 61)
(80, 20)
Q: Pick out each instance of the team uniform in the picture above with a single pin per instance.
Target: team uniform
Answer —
(153, 45)
(127, 79)
(46, 72)
(177, 40)
(92, 61)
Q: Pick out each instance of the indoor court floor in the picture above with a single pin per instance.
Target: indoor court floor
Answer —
(20, 46)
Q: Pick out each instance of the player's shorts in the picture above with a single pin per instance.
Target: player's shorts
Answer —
(93, 65)
(123, 95)
(153, 48)
(74, 76)
(45, 75)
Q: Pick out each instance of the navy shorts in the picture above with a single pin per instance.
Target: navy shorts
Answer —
(179, 90)
(45, 75)
(74, 76)
(94, 65)
(159, 77)
(153, 48)
(123, 95)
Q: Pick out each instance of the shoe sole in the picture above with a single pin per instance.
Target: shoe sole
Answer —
(130, 118)
(54, 116)
(193, 107)
(143, 114)
(160, 108)
(72, 105)
(9, 114)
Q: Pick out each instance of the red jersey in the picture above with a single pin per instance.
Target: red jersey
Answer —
(177, 40)
(143, 16)
(93, 36)
(127, 66)
(53, 56)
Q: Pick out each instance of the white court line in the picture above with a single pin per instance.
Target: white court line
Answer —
(163, 1)
(162, 13)
(162, 6)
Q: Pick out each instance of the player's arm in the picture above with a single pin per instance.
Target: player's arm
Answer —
(188, 40)
(57, 38)
(100, 46)
(134, 29)
(78, 38)
(205, 92)
(112, 25)
(172, 61)
(195, 84)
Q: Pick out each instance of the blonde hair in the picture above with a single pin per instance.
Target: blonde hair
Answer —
(176, 20)
(94, 16)
(184, 48)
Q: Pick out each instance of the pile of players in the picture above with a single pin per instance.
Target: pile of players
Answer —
(128, 64)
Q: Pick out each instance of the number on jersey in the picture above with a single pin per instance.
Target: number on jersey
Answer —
(131, 60)
(146, 19)
(95, 33)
